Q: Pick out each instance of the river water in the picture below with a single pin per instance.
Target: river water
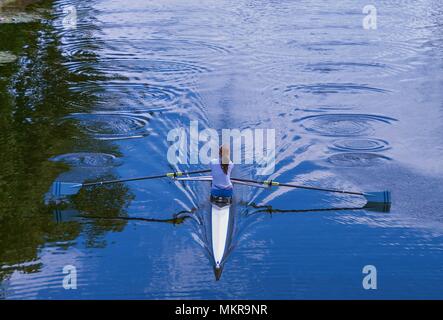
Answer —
(352, 108)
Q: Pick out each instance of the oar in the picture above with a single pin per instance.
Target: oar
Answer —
(271, 210)
(70, 188)
(371, 197)
(61, 216)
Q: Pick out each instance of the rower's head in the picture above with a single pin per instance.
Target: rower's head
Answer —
(225, 158)
(225, 154)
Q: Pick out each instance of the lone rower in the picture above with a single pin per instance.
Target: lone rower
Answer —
(221, 169)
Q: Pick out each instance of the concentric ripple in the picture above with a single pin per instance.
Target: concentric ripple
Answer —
(113, 126)
(339, 66)
(119, 95)
(360, 145)
(165, 47)
(357, 159)
(343, 124)
(328, 88)
(134, 68)
(88, 159)
(383, 69)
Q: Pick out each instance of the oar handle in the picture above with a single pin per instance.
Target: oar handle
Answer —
(169, 174)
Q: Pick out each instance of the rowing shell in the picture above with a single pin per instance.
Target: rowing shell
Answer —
(220, 218)
(221, 226)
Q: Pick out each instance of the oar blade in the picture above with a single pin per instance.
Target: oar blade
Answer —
(378, 197)
(377, 207)
(60, 189)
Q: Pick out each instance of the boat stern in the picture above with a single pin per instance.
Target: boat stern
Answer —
(218, 269)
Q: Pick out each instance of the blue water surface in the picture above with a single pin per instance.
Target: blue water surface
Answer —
(352, 109)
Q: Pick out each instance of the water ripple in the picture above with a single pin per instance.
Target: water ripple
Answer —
(326, 67)
(357, 159)
(172, 70)
(360, 145)
(330, 45)
(343, 124)
(113, 126)
(165, 47)
(88, 159)
(124, 94)
(327, 88)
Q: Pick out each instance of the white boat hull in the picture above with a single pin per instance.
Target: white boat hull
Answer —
(221, 225)
(220, 229)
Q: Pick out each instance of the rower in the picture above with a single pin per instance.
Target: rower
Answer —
(221, 169)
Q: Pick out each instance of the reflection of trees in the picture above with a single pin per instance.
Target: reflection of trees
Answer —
(107, 201)
(35, 93)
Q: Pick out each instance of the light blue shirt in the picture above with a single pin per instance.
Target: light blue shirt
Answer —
(220, 180)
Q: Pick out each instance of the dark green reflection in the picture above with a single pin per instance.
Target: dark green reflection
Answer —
(35, 94)
(106, 201)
